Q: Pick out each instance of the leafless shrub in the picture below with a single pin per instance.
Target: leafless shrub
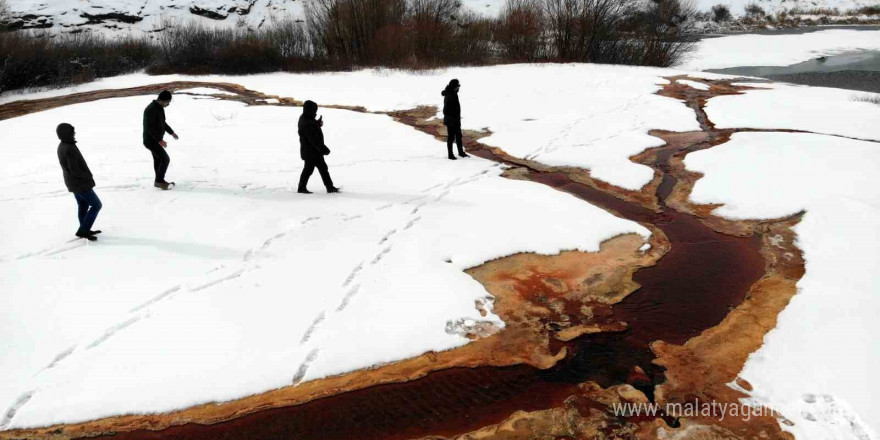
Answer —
(869, 98)
(472, 41)
(721, 13)
(586, 30)
(815, 11)
(865, 10)
(755, 11)
(519, 31)
(620, 32)
(413, 34)
(703, 16)
(194, 48)
(346, 30)
(433, 25)
(345, 34)
(32, 59)
(663, 33)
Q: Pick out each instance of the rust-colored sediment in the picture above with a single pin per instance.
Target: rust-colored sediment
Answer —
(701, 368)
(581, 334)
(238, 93)
(538, 297)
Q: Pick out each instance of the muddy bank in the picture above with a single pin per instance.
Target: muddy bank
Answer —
(583, 329)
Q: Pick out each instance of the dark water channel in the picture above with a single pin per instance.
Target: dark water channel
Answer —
(852, 71)
(691, 288)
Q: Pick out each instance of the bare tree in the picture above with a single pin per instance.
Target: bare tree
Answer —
(344, 30)
(663, 32)
(4, 15)
(586, 30)
(520, 30)
(563, 25)
(4, 56)
(432, 23)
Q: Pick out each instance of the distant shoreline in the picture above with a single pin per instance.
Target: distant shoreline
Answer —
(793, 30)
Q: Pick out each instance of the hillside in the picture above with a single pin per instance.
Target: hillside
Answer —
(737, 7)
(144, 15)
(149, 16)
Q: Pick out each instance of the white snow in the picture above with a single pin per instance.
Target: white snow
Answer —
(777, 50)
(783, 106)
(232, 284)
(207, 91)
(737, 7)
(816, 367)
(232, 278)
(591, 116)
(693, 84)
(152, 15)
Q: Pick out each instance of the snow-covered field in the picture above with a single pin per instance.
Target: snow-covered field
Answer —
(232, 278)
(777, 50)
(784, 106)
(817, 366)
(588, 115)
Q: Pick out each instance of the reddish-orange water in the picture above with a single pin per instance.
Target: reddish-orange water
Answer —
(690, 289)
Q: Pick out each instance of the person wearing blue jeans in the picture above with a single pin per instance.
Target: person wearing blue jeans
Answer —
(78, 179)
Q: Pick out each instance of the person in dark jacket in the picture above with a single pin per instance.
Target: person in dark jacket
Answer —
(452, 118)
(312, 149)
(78, 179)
(155, 128)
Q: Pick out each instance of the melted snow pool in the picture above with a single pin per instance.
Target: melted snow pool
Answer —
(863, 60)
(853, 70)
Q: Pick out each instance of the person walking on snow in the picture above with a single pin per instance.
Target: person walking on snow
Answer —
(78, 179)
(452, 118)
(312, 149)
(155, 128)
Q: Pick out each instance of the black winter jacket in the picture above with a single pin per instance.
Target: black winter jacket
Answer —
(77, 176)
(155, 126)
(451, 108)
(311, 137)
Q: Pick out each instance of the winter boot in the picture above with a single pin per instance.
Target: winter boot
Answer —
(87, 236)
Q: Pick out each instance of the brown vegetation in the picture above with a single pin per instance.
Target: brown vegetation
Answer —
(348, 34)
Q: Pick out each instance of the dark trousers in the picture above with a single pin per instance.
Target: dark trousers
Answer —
(160, 161)
(453, 134)
(309, 168)
(88, 205)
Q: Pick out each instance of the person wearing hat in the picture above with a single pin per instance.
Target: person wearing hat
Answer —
(312, 149)
(78, 180)
(452, 118)
(155, 128)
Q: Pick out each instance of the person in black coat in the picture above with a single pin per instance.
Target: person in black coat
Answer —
(78, 179)
(452, 118)
(155, 128)
(312, 149)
